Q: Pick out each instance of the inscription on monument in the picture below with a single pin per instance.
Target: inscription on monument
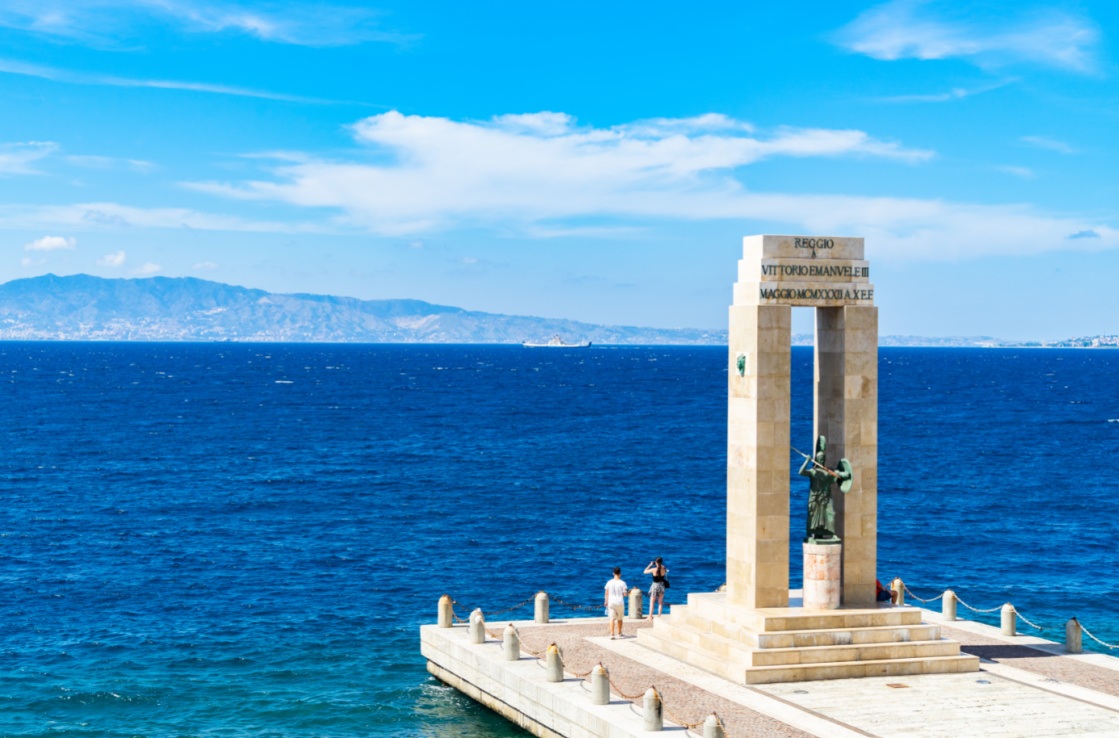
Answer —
(814, 270)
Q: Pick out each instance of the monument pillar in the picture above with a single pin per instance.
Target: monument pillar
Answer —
(846, 412)
(758, 456)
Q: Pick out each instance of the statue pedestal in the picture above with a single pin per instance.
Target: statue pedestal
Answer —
(821, 575)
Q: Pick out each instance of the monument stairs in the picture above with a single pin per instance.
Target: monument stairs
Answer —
(768, 645)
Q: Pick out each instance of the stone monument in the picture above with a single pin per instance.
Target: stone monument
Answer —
(750, 630)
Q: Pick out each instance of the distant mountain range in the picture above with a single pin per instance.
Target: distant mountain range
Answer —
(86, 308)
(82, 307)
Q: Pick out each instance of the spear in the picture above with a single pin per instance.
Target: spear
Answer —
(816, 463)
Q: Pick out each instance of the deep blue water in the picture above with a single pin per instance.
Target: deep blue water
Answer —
(233, 540)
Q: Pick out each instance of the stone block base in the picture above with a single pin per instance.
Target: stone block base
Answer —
(822, 564)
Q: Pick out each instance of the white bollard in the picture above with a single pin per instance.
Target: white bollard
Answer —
(713, 727)
(511, 643)
(477, 626)
(949, 605)
(654, 719)
(446, 611)
(1009, 620)
(1074, 643)
(635, 612)
(898, 587)
(540, 608)
(600, 685)
(553, 664)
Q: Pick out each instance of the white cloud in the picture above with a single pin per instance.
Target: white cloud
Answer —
(80, 78)
(27, 261)
(147, 269)
(115, 259)
(51, 243)
(111, 23)
(19, 158)
(913, 29)
(522, 170)
(205, 266)
(1052, 144)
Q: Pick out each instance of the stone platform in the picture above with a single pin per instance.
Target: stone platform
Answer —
(773, 645)
(1026, 687)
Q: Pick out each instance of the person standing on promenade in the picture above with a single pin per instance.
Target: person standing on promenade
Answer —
(615, 601)
(660, 579)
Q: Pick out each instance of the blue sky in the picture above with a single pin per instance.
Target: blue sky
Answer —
(596, 161)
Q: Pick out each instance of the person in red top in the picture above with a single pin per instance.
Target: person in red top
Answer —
(884, 595)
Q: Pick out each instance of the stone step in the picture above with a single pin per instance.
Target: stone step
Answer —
(855, 669)
(865, 652)
(806, 638)
(720, 647)
(730, 668)
(714, 607)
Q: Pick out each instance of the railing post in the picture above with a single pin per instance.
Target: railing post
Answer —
(713, 727)
(635, 604)
(553, 664)
(898, 588)
(600, 685)
(540, 608)
(446, 611)
(949, 605)
(654, 718)
(1009, 620)
(477, 626)
(1074, 643)
(511, 643)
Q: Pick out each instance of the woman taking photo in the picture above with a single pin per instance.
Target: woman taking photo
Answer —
(660, 581)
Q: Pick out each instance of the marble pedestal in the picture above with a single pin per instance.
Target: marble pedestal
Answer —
(822, 575)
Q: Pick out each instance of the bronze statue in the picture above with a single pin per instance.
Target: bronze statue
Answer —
(821, 509)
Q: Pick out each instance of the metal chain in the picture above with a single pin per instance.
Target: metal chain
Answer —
(1097, 640)
(678, 721)
(573, 606)
(974, 609)
(909, 592)
(514, 607)
(1026, 621)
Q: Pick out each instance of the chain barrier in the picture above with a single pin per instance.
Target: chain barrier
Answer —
(1086, 632)
(975, 609)
(573, 606)
(1026, 621)
(909, 592)
(678, 721)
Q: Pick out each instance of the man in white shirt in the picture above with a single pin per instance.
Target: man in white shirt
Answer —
(616, 601)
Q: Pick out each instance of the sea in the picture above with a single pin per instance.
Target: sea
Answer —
(243, 539)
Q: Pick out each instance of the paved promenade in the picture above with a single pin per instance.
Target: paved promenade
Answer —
(1026, 687)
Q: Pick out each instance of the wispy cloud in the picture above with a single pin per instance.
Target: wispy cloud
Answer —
(146, 270)
(20, 158)
(1052, 144)
(90, 161)
(956, 93)
(51, 243)
(919, 29)
(81, 78)
(114, 216)
(1020, 172)
(115, 259)
(528, 169)
(114, 23)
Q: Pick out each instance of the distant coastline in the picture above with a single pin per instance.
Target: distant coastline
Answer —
(163, 309)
